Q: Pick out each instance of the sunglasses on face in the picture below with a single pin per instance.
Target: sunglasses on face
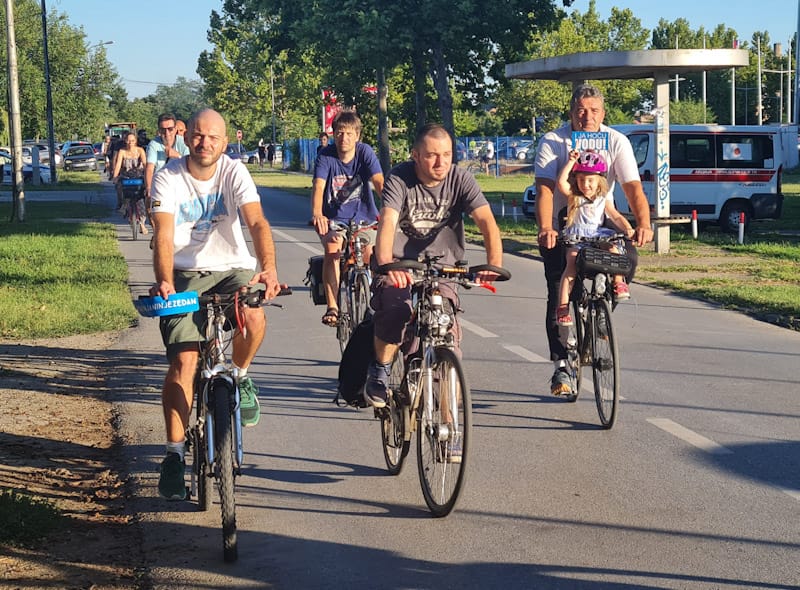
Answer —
(166, 129)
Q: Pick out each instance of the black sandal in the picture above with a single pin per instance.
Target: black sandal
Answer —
(331, 317)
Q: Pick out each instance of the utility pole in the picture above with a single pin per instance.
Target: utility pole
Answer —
(17, 190)
(51, 145)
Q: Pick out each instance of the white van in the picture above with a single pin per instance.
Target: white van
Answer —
(717, 170)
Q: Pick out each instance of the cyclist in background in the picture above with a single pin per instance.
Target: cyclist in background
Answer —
(341, 192)
(423, 204)
(197, 202)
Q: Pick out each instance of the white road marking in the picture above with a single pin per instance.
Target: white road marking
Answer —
(791, 493)
(525, 353)
(476, 329)
(287, 237)
(689, 436)
(705, 444)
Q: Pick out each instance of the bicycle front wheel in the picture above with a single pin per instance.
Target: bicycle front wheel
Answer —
(605, 363)
(223, 396)
(443, 433)
(361, 294)
(133, 219)
(394, 418)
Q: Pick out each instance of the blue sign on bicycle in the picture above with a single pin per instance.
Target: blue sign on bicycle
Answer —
(177, 303)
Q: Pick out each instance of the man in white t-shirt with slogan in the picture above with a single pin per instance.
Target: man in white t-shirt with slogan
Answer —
(198, 202)
(586, 114)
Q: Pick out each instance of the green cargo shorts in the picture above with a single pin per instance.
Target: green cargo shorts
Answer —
(179, 332)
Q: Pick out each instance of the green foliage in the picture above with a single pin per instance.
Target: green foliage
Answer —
(80, 76)
(689, 112)
(25, 520)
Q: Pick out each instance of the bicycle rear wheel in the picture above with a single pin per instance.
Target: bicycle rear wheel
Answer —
(394, 418)
(575, 346)
(222, 394)
(345, 326)
(605, 365)
(361, 295)
(443, 440)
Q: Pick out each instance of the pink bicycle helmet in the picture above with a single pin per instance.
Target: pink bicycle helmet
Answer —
(590, 163)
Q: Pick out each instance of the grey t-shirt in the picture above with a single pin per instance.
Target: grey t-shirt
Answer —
(431, 217)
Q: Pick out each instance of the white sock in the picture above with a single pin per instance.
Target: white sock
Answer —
(177, 447)
(559, 364)
(240, 371)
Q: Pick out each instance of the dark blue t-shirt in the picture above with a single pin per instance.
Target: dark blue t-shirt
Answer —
(347, 192)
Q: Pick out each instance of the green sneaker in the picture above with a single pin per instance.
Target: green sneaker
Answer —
(171, 484)
(248, 402)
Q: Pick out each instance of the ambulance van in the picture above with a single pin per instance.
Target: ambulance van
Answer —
(716, 170)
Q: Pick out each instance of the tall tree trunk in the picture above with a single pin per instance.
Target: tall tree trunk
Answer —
(383, 123)
(420, 84)
(440, 82)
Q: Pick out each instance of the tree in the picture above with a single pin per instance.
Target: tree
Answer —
(519, 102)
(80, 76)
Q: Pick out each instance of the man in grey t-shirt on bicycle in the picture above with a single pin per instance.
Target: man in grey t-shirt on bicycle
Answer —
(423, 203)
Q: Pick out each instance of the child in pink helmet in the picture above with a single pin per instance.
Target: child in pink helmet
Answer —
(583, 181)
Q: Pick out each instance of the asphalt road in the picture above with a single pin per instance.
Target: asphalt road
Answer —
(696, 486)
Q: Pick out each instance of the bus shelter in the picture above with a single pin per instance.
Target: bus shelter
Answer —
(658, 64)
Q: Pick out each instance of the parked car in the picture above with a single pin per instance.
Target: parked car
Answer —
(68, 144)
(529, 201)
(27, 170)
(80, 157)
(520, 150)
(237, 152)
(44, 154)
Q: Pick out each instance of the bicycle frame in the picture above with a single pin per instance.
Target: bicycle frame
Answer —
(352, 267)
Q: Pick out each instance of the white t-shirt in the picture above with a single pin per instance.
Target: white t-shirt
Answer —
(553, 154)
(208, 232)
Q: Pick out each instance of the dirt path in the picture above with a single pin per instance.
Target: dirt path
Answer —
(58, 442)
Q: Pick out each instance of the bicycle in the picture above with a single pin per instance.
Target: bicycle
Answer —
(215, 438)
(353, 295)
(428, 391)
(133, 193)
(590, 341)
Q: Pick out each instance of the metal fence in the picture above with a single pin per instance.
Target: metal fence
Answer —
(511, 155)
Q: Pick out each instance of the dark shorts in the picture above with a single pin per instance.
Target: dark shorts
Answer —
(180, 332)
(393, 310)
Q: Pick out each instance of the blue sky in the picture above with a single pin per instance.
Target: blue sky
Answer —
(156, 41)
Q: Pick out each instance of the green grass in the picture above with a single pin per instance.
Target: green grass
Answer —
(61, 273)
(25, 520)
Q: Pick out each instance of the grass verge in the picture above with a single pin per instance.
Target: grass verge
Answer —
(61, 272)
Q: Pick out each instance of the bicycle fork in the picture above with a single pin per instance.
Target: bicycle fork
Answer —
(232, 385)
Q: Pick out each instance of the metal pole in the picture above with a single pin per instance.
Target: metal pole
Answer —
(758, 86)
(797, 66)
(272, 93)
(51, 145)
(17, 188)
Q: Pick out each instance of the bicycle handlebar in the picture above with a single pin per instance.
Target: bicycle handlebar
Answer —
(461, 273)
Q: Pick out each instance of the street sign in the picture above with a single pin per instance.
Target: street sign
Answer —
(239, 134)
